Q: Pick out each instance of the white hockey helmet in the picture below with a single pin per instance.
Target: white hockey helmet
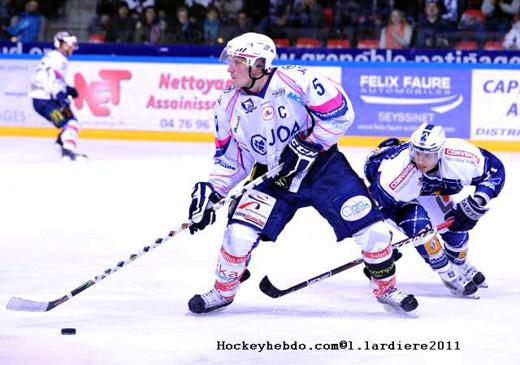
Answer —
(65, 37)
(428, 138)
(252, 47)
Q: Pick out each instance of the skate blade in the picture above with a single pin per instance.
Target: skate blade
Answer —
(209, 313)
(79, 159)
(471, 296)
(399, 312)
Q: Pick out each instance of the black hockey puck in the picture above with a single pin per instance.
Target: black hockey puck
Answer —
(68, 331)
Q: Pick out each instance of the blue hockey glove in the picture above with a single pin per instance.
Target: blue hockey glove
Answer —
(202, 199)
(62, 99)
(467, 213)
(389, 142)
(297, 157)
(72, 92)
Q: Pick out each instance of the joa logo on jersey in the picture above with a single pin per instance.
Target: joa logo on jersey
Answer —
(356, 208)
(99, 93)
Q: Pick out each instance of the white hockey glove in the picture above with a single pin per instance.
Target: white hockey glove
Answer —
(201, 213)
(467, 213)
(297, 158)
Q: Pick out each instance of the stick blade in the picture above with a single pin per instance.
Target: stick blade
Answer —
(269, 289)
(26, 305)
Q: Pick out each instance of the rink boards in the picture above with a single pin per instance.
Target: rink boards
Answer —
(171, 99)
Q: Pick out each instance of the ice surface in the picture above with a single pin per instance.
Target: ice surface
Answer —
(61, 224)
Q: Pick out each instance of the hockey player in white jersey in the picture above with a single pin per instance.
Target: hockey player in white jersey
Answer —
(50, 94)
(294, 116)
(413, 183)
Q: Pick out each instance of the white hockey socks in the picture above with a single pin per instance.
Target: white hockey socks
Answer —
(70, 134)
(239, 240)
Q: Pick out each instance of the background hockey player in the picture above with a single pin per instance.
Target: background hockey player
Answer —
(50, 94)
(295, 116)
(414, 182)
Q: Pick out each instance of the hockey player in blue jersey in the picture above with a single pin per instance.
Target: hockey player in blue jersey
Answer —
(414, 182)
(295, 116)
(50, 94)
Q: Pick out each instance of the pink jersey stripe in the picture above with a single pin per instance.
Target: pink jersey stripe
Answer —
(289, 82)
(222, 142)
(330, 105)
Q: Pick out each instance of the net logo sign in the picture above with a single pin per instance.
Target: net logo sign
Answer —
(100, 94)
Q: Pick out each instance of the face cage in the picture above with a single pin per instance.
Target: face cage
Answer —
(225, 58)
(73, 43)
(433, 156)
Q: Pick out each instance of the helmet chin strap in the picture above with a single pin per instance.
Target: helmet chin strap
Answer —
(253, 79)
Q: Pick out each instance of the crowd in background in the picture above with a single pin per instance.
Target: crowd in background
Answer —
(372, 23)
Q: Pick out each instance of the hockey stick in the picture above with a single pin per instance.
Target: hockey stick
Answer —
(20, 304)
(270, 290)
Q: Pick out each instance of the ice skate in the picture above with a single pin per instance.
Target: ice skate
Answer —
(69, 155)
(208, 302)
(58, 142)
(458, 284)
(396, 301)
(471, 273)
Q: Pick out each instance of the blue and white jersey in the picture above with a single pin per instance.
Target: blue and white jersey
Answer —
(49, 77)
(254, 128)
(395, 180)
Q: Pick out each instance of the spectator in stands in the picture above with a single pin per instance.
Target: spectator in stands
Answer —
(183, 30)
(228, 9)
(398, 33)
(346, 13)
(148, 30)
(307, 14)
(139, 6)
(7, 11)
(105, 7)
(370, 19)
(211, 26)
(29, 26)
(280, 6)
(512, 39)
(432, 29)
(499, 14)
(241, 24)
(451, 12)
(256, 10)
(472, 26)
(122, 26)
(274, 25)
(99, 26)
(52, 9)
(197, 10)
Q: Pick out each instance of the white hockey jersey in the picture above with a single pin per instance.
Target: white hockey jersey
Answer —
(256, 127)
(49, 77)
(395, 179)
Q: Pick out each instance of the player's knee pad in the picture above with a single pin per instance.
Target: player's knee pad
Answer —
(375, 241)
(239, 241)
(374, 238)
(412, 219)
